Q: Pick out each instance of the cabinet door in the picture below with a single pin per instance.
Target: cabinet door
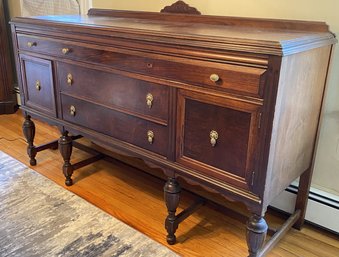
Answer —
(38, 87)
(218, 137)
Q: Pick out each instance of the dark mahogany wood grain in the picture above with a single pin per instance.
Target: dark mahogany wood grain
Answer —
(233, 128)
(38, 70)
(216, 20)
(195, 72)
(113, 123)
(115, 91)
(232, 158)
(250, 39)
(28, 129)
(65, 148)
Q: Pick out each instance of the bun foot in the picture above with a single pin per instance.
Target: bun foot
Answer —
(68, 182)
(32, 162)
(171, 240)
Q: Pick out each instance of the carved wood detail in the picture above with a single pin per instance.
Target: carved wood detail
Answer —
(180, 7)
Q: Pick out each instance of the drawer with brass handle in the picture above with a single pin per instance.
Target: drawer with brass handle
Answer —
(44, 46)
(226, 77)
(122, 93)
(133, 130)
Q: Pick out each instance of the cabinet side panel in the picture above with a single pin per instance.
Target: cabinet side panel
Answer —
(298, 105)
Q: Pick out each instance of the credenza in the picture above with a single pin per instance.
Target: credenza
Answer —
(229, 104)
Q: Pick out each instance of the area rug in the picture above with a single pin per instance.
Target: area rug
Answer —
(40, 218)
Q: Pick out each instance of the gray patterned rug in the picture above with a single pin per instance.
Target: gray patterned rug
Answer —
(40, 218)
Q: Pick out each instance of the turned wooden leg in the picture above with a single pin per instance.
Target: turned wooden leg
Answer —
(256, 234)
(302, 197)
(28, 129)
(172, 196)
(65, 148)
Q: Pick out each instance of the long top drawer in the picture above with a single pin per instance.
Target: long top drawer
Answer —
(225, 77)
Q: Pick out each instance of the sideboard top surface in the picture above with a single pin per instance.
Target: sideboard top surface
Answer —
(277, 37)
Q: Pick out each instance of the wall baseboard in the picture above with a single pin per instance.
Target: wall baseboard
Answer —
(322, 209)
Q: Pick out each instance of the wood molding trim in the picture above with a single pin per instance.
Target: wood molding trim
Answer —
(180, 7)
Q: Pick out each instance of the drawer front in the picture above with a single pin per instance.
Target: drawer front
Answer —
(42, 45)
(127, 128)
(38, 88)
(226, 77)
(218, 137)
(115, 91)
(229, 78)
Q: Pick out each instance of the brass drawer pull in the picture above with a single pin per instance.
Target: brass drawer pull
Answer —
(31, 44)
(65, 50)
(149, 100)
(214, 136)
(38, 85)
(214, 78)
(72, 110)
(150, 136)
(69, 79)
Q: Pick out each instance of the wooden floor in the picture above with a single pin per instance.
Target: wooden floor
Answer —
(136, 198)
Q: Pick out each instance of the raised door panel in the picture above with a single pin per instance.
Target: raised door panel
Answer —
(217, 136)
(38, 86)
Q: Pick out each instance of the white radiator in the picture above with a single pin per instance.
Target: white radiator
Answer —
(322, 208)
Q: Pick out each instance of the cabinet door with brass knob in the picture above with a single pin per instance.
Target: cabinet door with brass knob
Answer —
(38, 84)
(217, 136)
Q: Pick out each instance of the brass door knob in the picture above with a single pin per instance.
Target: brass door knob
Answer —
(69, 79)
(65, 50)
(214, 78)
(149, 100)
(31, 44)
(72, 110)
(213, 136)
(38, 85)
(150, 136)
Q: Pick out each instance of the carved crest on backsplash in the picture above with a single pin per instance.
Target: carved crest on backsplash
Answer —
(180, 7)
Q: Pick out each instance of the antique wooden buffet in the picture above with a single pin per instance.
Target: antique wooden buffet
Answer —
(230, 104)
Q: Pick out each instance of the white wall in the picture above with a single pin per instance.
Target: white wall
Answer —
(14, 7)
